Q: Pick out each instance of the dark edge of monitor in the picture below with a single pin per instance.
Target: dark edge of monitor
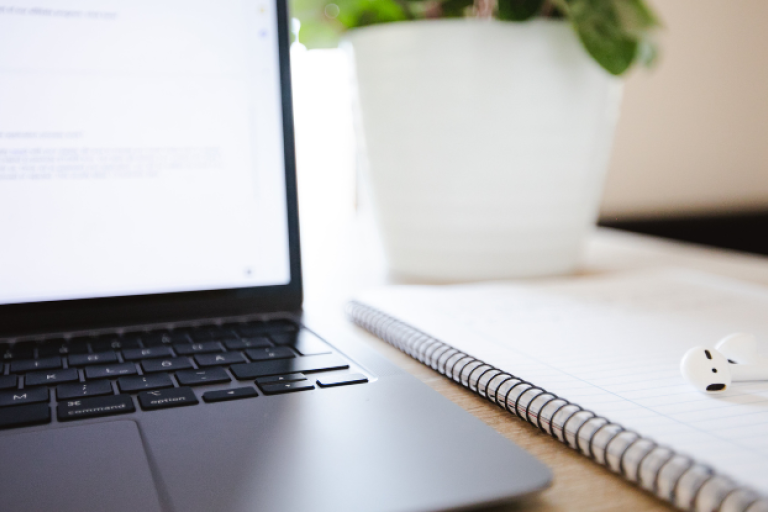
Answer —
(73, 315)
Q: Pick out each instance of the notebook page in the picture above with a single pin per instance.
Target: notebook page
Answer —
(612, 344)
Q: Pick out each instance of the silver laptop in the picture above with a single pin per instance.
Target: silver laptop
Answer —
(153, 355)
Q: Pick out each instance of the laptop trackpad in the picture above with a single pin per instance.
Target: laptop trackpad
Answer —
(84, 468)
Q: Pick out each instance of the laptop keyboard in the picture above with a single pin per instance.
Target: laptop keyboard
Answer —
(87, 377)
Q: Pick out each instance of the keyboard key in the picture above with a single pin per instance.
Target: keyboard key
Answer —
(135, 354)
(284, 338)
(327, 381)
(265, 354)
(287, 387)
(291, 377)
(308, 344)
(7, 381)
(260, 328)
(144, 382)
(258, 342)
(23, 415)
(109, 371)
(82, 408)
(81, 389)
(162, 398)
(76, 347)
(115, 344)
(51, 377)
(165, 338)
(219, 359)
(234, 344)
(88, 359)
(201, 377)
(198, 348)
(165, 365)
(82, 340)
(304, 364)
(50, 348)
(229, 394)
(23, 350)
(23, 396)
(216, 334)
(28, 365)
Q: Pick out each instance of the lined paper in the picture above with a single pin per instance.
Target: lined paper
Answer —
(612, 344)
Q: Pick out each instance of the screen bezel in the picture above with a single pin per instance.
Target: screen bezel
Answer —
(81, 314)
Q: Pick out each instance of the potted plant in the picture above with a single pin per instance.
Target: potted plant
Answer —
(486, 141)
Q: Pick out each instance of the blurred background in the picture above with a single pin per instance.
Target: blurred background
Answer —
(690, 158)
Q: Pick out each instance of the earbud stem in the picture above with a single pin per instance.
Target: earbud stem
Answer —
(742, 372)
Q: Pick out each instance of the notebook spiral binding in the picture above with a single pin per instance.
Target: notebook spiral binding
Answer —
(672, 477)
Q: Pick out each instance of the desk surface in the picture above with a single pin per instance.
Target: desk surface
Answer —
(338, 265)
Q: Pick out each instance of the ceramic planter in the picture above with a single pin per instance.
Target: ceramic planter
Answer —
(486, 144)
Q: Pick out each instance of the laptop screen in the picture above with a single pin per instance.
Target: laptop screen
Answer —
(141, 148)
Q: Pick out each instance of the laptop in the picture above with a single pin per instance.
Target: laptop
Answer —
(153, 352)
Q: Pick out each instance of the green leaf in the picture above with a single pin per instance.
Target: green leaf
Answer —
(518, 10)
(361, 13)
(455, 8)
(616, 33)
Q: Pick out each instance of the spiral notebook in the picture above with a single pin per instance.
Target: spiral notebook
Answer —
(594, 362)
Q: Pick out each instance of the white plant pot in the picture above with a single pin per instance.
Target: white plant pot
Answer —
(486, 143)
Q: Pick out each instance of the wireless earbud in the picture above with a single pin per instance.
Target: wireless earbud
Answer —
(741, 348)
(709, 370)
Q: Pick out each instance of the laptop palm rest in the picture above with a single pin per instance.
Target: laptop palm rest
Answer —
(87, 468)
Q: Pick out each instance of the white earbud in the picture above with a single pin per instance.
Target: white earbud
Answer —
(709, 370)
(741, 348)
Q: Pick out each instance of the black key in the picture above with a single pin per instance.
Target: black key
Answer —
(201, 377)
(135, 354)
(165, 338)
(165, 365)
(81, 389)
(307, 344)
(115, 344)
(327, 381)
(81, 408)
(210, 334)
(109, 371)
(28, 365)
(51, 377)
(219, 359)
(162, 398)
(144, 382)
(265, 354)
(258, 342)
(23, 350)
(7, 381)
(76, 347)
(5, 352)
(287, 387)
(50, 348)
(88, 359)
(229, 394)
(260, 328)
(284, 338)
(186, 349)
(23, 415)
(291, 377)
(82, 339)
(234, 344)
(282, 366)
(23, 396)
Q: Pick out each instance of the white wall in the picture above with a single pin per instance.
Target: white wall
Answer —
(693, 136)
